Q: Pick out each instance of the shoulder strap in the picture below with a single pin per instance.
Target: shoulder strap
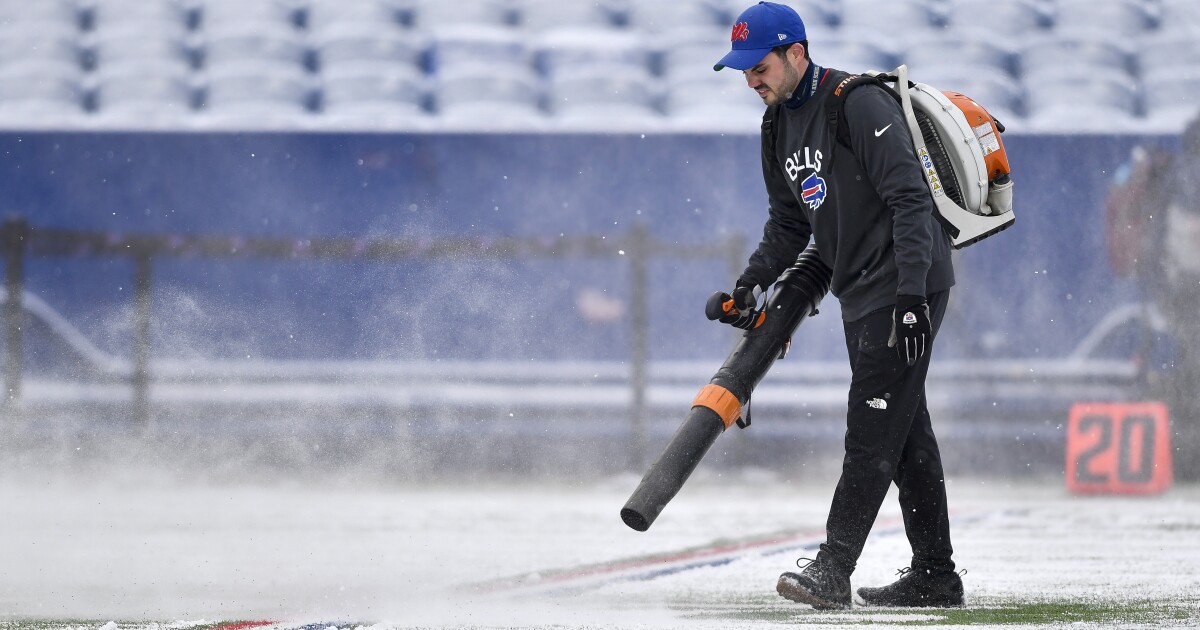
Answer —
(836, 105)
(769, 127)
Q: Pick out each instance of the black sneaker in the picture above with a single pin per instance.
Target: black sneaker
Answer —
(922, 588)
(819, 585)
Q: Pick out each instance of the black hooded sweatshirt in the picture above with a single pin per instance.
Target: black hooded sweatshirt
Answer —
(866, 206)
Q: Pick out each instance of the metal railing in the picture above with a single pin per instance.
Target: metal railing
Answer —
(21, 241)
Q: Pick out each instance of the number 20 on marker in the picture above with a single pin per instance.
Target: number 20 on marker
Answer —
(1122, 448)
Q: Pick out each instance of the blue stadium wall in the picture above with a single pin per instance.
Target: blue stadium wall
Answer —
(1033, 291)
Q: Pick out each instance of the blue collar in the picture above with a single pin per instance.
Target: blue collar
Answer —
(808, 86)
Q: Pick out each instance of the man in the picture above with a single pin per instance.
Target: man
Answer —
(1153, 220)
(869, 212)
(1176, 290)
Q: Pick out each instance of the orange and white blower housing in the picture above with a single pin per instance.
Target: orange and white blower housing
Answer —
(964, 160)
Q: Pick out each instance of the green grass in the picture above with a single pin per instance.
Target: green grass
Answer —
(46, 624)
(1071, 612)
(774, 611)
(1033, 614)
(96, 624)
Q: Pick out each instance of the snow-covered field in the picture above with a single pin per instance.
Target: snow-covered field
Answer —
(135, 551)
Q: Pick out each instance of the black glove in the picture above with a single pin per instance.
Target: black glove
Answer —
(911, 331)
(745, 296)
(738, 309)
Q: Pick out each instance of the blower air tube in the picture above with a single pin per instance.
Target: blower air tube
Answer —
(797, 293)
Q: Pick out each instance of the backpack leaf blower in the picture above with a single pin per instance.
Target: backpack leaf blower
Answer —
(720, 404)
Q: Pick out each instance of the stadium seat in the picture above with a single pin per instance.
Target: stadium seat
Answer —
(161, 15)
(465, 46)
(712, 87)
(258, 94)
(1162, 77)
(852, 54)
(148, 81)
(712, 101)
(349, 44)
(40, 95)
(690, 51)
(821, 15)
(135, 45)
(47, 44)
(656, 16)
(995, 90)
(1174, 99)
(490, 99)
(1167, 53)
(815, 13)
(1178, 18)
(29, 69)
(568, 51)
(605, 96)
(367, 97)
(1088, 103)
(910, 17)
(1009, 54)
(1011, 20)
(1126, 17)
(930, 55)
(134, 97)
(434, 14)
(253, 43)
(14, 12)
(506, 84)
(57, 29)
(222, 14)
(321, 15)
(541, 15)
(1055, 55)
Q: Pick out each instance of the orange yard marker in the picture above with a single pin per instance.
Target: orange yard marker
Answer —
(1118, 448)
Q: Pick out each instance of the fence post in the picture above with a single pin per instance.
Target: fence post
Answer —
(735, 258)
(141, 340)
(639, 334)
(14, 230)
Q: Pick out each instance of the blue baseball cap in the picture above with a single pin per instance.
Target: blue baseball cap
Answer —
(759, 29)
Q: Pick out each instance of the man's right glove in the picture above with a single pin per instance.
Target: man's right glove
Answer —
(738, 309)
(911, 330)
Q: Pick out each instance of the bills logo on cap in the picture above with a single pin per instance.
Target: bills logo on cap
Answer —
(812, 191)
(741, 31)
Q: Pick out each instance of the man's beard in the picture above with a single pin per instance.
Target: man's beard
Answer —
(787, 86)
(791, 81)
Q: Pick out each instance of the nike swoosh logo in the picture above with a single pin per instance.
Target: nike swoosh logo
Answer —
(879, 132)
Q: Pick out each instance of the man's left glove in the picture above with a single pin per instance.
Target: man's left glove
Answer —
(911, 331)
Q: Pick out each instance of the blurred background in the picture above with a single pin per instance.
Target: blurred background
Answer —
(402, 239)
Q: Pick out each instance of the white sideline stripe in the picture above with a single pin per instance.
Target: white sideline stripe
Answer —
(572, 581)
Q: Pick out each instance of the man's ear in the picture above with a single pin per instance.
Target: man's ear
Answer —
(796, 51)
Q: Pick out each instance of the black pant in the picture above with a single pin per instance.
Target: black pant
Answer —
(889, 438)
